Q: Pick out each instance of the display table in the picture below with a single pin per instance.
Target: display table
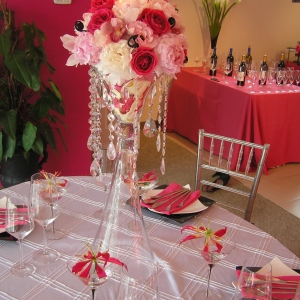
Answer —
(197, 102)
(181, 269)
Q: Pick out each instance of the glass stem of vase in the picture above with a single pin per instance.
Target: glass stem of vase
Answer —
(210, 266)
(93, 293)
(21, 265)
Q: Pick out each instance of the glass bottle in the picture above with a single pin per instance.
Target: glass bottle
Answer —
(248, 59)
(213, 63)
(230, 60)
(242, 72)
(281, 63)
(264, 68)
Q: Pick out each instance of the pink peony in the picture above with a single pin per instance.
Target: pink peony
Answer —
(171, 54)
(83, 48)
(145, 38)
(101, 16)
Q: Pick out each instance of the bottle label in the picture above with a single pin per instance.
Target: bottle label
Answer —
(263, 74)
(241, 76)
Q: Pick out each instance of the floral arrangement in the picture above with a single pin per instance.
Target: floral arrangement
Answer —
(216, 11)
(128, 39)
(209, 236)
(96, 260)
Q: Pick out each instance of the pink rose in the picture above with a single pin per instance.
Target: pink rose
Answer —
(101, 16)
(143, 61)
(97, 4)
(156, 20)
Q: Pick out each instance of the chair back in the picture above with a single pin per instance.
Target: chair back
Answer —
(240, 156)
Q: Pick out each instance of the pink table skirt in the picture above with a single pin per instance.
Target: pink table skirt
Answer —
(270, 117)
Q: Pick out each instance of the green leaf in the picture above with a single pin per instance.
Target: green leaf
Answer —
(10, 146)
(55, 89)
(29, 136)
(38, 146)
(40, 109)
(5, 42)
(8, 121)
(25, 71)
(47, 134)
(1, 147)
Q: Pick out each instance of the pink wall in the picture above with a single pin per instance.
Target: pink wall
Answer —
(56, 20)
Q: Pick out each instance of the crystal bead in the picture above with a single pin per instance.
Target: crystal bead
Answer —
(149, 129)
(111, 151)
(163, 167)
(95, 168)
(158, 143)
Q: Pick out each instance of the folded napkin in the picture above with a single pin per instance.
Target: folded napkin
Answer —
(171, 203)
(282, 272)
(2, 209)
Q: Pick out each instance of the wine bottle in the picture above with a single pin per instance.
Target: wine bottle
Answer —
(248, 59)
(230, 60)
(264, 68)
(213, 63)
(281, 63)
(242, 72)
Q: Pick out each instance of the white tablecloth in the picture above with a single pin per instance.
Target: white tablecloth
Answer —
(181, 273)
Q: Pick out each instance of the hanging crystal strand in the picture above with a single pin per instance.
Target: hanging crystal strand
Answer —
(159, 118)
(111, 150)
(135, 151)
(149, 129)
(164, 124)
(94, 140)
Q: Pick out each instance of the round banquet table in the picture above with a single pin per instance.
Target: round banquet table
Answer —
(181, 269)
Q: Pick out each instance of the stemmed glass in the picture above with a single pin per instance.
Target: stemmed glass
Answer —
(19, 223)
(212, 256)
(291, 79)
(197, 60)
(45, 208)
(262, 78)
(204, 64)
(255, 280)
(271, 78)
(285, 78)
(213, 68)
(297, 79)
(62, 186)
(227, 70)
(253, 77)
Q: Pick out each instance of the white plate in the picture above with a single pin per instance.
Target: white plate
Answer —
(193, 208)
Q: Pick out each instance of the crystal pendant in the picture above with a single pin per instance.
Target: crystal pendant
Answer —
(149, 128)
(158, 142)
(111, 151)
(95, 169)
(163, 166)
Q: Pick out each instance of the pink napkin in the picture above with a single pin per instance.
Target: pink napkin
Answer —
(280, 287)
(175, 202)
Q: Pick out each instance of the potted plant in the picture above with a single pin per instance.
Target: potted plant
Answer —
(29, 108)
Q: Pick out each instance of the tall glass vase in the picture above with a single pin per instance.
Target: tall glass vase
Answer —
(122, 228)
(213, 41)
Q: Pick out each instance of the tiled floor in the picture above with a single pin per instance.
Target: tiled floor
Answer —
(281, 185)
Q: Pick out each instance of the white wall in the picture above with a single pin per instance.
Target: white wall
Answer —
(269, 26)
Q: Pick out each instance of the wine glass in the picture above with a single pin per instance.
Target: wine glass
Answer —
(197, 60)
(255, 280)
(297, 79)
(45, 208)
(213, 68)
(19, 223)
(253, 77)
(291, 79)
(271, 78)
(204, 64)
(62, 186)
(212, 255)
(262, 80)
(285, 78)
(227, 70)
(96, 257)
